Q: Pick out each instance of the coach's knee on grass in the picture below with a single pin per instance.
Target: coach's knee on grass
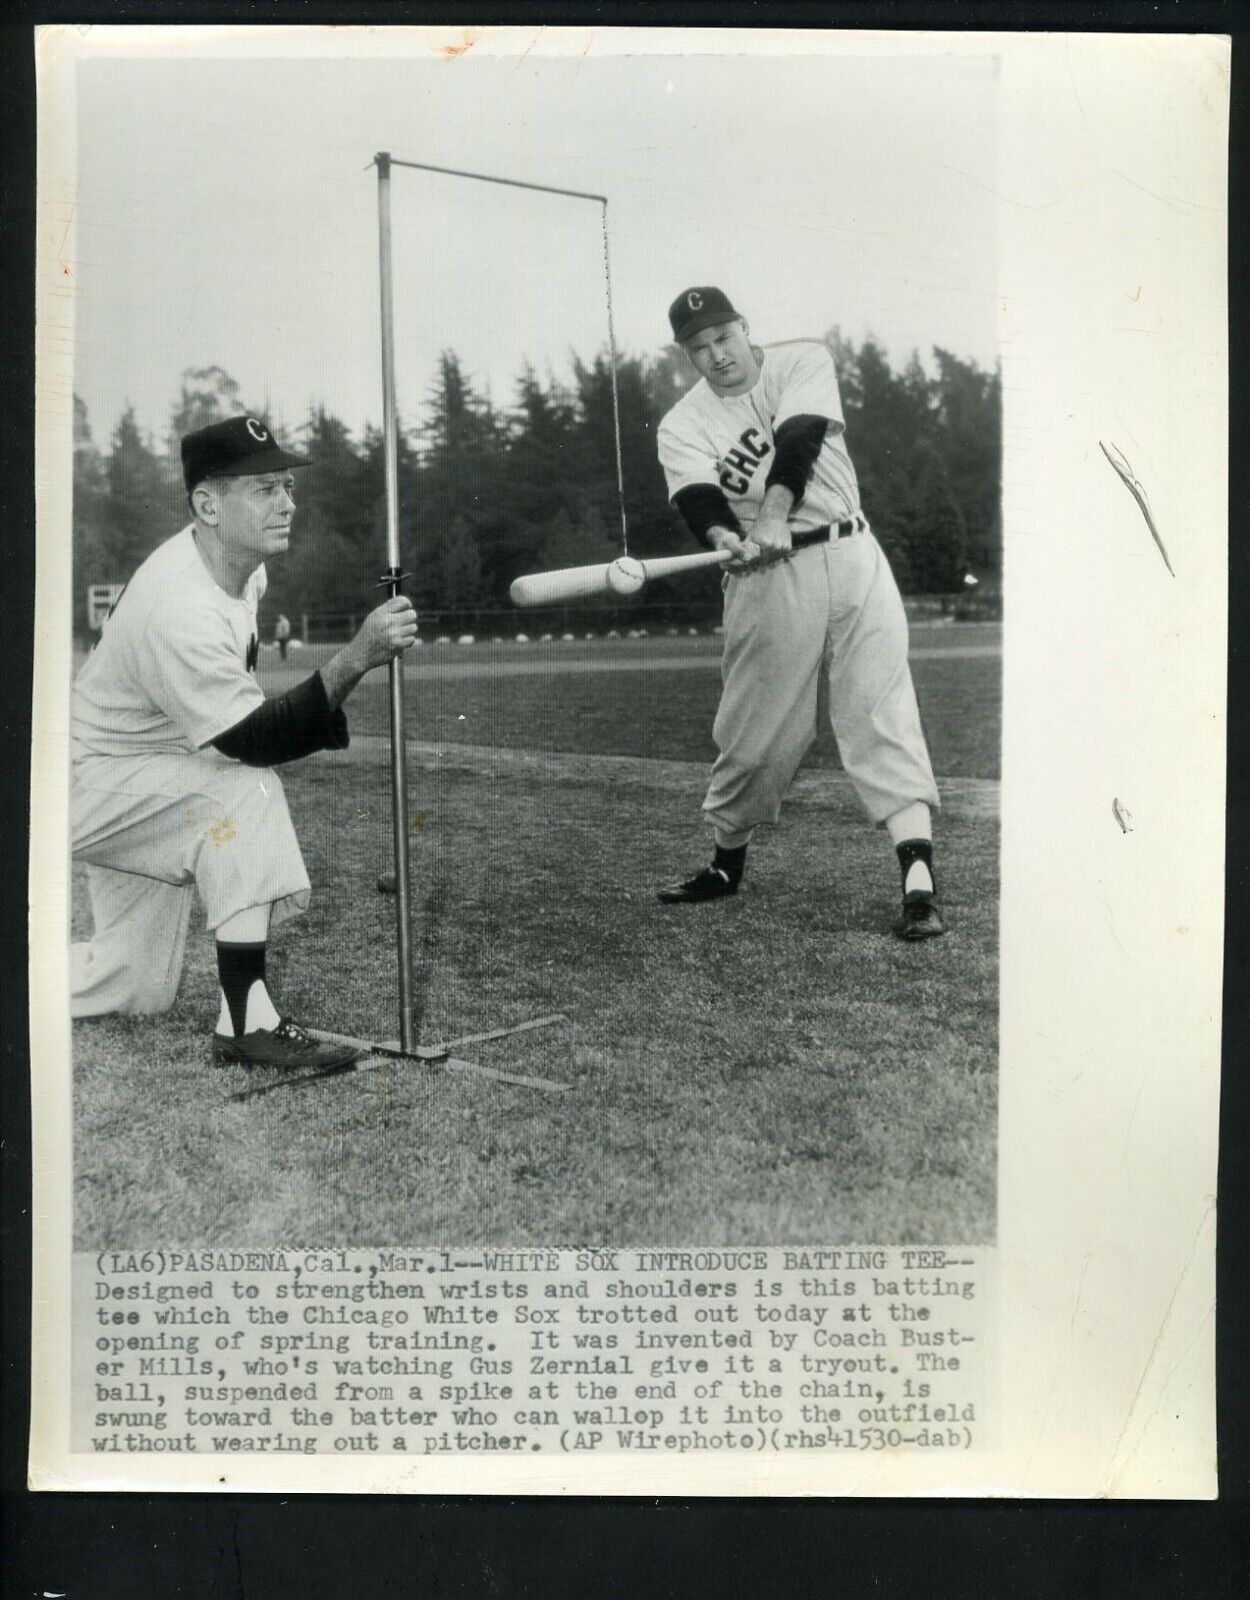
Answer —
(104, 987)
(151, 994)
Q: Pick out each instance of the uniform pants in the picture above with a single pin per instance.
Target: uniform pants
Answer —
(151, 830)
(832, 610)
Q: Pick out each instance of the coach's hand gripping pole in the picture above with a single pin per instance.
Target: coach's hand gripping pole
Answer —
(392, 581)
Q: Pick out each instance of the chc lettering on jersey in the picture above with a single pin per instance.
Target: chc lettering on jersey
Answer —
(721, 440)
(738, 466)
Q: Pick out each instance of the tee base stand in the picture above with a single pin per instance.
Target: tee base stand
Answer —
(375, 1054)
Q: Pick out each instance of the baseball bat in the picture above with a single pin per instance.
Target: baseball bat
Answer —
(577, 583)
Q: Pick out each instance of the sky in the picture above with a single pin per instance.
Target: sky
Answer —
(226, 214)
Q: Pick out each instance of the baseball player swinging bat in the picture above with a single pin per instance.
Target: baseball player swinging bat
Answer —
(623, 576)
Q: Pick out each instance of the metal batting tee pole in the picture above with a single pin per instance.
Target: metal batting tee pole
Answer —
(392, 581)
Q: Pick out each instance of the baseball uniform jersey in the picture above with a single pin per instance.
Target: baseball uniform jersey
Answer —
(174, 665)
(156, 811)
(729, 440)
(831, 609)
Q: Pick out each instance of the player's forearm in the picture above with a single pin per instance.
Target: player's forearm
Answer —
(778, 503)
(771, 529)
(386, 632)
(799, 441)
(342, 672)
(705, 511)
(287, 727)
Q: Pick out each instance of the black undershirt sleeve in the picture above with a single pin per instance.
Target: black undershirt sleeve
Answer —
(286, 727)
(704, 506)
(798, 441)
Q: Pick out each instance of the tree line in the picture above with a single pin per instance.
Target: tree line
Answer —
(488, 492)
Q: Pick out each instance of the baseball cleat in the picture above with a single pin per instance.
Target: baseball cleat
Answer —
(921, 918)
(709, 884)
(287, 1045)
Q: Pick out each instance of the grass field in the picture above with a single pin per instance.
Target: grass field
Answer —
(772, 1068)
(606, 697)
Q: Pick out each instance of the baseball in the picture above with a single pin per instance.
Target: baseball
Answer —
(626, 576)
(386, 883)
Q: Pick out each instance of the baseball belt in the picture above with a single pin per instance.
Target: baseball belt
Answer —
(841, 530)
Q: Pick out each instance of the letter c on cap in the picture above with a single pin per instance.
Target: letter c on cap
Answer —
(694, 300)
(257, 430)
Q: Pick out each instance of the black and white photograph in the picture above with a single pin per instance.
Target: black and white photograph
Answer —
(667, 473)
(545, 519)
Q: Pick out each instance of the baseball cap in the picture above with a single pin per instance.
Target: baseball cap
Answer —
(240, 447)
(699, 308)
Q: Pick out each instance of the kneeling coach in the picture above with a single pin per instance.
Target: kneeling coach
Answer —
(174, 743)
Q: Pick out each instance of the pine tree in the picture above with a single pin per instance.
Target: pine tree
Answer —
(483, 497)
(206, 395)
(538, 454)
(968, 425)
(653, 526)
(456, 566)
(930, 532)
(144, 506)
(334, 560)
(462, 474)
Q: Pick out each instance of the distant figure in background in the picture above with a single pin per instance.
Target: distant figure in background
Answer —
(282, 634)
(757, 465)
